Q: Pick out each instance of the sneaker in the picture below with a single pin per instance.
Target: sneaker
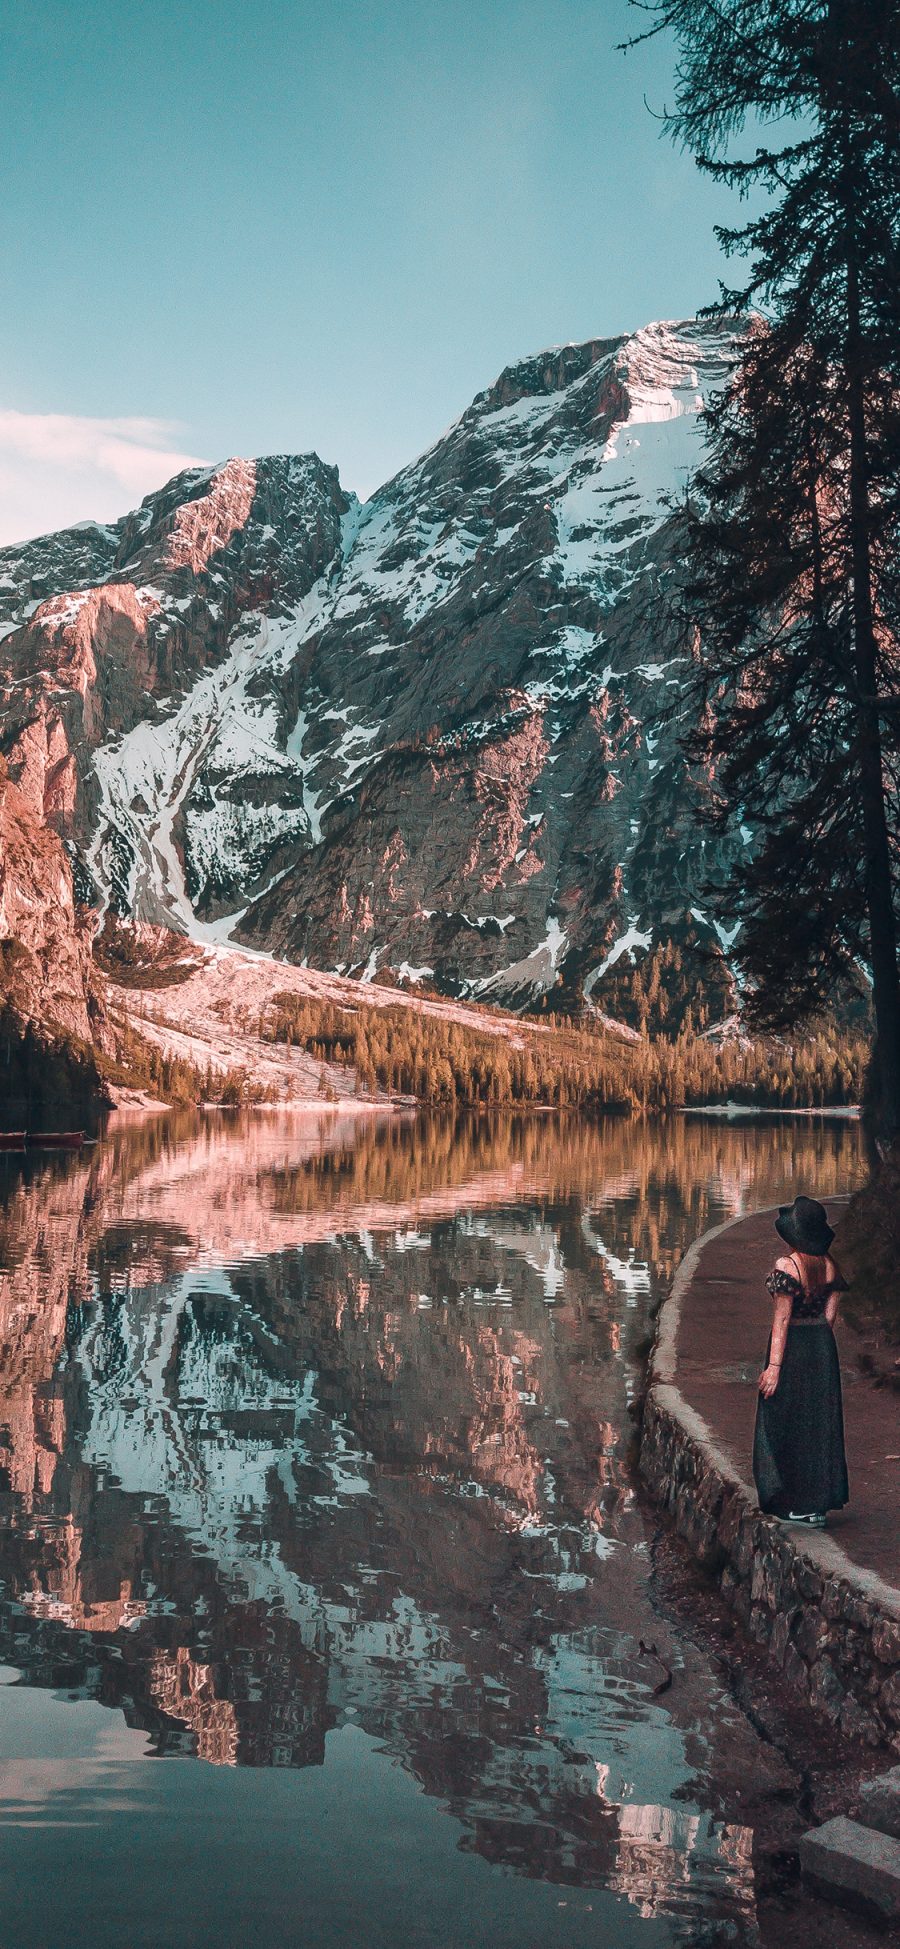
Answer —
(797, 1516)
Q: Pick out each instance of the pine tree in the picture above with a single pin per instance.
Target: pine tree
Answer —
(795, 531)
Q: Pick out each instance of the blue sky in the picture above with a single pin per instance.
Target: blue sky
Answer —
(246, 226)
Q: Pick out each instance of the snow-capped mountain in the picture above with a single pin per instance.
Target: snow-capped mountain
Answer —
(417, 733)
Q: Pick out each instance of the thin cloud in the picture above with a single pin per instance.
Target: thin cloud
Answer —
(59, 468)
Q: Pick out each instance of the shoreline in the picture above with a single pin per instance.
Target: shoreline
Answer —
(141, 1106)
(852, 1112)
(134, 1103)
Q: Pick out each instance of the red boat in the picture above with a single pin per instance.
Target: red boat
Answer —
(12, 1140)
(54, 1139)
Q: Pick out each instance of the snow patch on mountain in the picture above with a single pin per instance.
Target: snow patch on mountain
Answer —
(145, 776)
(530, 977)
(625, 944)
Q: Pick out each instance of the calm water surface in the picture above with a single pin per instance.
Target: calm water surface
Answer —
(322, 1572)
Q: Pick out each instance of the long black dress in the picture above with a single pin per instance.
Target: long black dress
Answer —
(799, 1463)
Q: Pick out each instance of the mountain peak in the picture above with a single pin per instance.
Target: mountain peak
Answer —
(418, 734)
(660, 350)
(543, 374)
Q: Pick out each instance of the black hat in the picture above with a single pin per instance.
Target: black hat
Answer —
(804, 1225)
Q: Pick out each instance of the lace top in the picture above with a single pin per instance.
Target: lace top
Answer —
(804, 1305)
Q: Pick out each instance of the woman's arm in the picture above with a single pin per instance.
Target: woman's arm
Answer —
(834, 1298)
(768, 1380)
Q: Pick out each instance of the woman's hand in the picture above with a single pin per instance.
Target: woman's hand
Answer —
(768, 1380)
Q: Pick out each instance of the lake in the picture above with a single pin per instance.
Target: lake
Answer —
(323, 1566)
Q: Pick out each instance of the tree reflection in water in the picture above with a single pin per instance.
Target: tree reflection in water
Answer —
(306, 1423)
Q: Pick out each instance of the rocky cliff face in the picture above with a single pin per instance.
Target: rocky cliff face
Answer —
(417, 734)
(44, 942)
(51, 1008)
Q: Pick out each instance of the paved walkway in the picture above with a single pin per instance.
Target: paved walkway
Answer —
(712, 1346)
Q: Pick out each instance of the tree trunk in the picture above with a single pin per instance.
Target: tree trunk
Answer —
(879, 888)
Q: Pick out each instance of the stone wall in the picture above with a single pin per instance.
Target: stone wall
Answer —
(835, 1637)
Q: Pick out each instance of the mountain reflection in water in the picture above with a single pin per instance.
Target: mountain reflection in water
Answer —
(318, 1424)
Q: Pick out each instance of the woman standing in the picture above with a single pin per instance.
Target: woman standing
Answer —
(799, 1464)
